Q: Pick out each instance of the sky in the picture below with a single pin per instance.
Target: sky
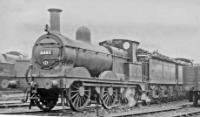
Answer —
(172, 27)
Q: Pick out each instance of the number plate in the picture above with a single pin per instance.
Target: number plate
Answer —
(46, 52)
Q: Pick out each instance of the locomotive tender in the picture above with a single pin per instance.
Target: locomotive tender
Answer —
(192, 83)
(163, 74)
(82, 73)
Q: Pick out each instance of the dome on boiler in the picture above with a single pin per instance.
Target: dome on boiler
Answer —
(83, 34)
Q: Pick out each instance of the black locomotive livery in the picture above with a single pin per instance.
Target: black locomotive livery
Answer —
(115, 72)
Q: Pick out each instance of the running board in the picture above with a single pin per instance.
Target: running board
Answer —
(108, 85)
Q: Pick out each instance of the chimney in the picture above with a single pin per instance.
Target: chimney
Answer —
(55, 19)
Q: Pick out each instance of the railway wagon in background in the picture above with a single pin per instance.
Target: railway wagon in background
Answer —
(192, 83)
(12, 71)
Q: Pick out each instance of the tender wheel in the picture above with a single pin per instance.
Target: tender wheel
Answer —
(195, 98)
(108, 97)
(79, 96)
(45, 104)
(190, 96)
(155, 92)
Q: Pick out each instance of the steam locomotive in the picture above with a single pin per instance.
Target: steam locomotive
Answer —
(115, 72)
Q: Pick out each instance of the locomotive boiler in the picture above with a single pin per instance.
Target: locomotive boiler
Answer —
(50, 49)
(81, 73)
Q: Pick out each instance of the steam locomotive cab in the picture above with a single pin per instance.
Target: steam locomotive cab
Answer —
(125, 63)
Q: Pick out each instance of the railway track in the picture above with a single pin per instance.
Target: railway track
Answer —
(13, 105)
(177, 110)
(16, 104)
(197, 113)
(183, 111)
(91, 112)
(58, 111)
(171, 109)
